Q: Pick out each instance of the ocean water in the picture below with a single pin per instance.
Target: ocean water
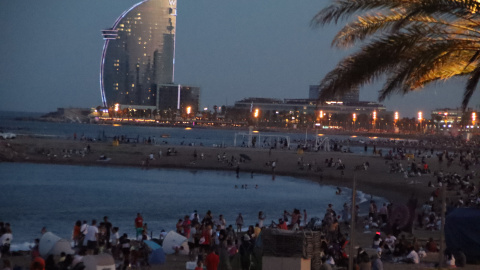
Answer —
(55, 196)
(176, 135)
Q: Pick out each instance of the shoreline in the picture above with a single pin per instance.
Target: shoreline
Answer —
(376, 180)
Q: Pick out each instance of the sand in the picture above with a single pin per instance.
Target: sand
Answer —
(376, 180)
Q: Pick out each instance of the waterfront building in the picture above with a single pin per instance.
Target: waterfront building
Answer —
(308, 106)
(352, 96)
(139, 54)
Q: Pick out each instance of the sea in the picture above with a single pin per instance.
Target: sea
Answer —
(194, 135)
(55, 196)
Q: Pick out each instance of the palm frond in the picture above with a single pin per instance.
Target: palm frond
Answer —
(366, 65)
(341, 9)
(365, 27)
(470, 87)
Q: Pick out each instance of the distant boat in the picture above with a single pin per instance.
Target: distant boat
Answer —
(165, 136)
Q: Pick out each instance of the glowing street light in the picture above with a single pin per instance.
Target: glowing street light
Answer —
(354, 117)
(321, 114)
(256, 113)
(420, 118)
(189, 110)
(396, 116)
(474, 117)
(374, 115)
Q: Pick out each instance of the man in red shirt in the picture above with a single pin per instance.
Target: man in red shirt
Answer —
(212, 260)
(139, 224)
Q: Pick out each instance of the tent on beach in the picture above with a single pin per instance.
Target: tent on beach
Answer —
(51, 244)
(99, 262)
(461, 232)
(157, 256)
(172, 240)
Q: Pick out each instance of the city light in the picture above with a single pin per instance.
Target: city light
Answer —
(255, 114)
(117, 107)
(321, 114)
(189, 110)
(420, 114)
(354, 117)
(396, 116)
(374, 115)
(474, 117)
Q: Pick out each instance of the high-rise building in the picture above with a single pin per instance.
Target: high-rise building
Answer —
(350, 97)
(139, 54)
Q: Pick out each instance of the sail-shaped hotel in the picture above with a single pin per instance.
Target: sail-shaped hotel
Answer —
(138, 59)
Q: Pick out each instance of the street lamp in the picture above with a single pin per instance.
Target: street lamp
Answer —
(189, 110)
(374, 116)
(474, 118)
(354, 116)
(420, 118)
(256, 113)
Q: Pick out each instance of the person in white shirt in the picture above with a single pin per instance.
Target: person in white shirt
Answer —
(412, 257)
(91, 237)
(222, 222)
(390, 242)
(5, 241)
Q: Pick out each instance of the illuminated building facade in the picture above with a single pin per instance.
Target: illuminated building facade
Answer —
(352, 96)
(177, 97)
(139, 54)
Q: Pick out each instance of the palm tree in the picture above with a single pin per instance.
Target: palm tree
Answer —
(411, 42)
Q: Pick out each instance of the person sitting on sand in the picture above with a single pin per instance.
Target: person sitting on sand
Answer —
(412, 256)
(431, 245)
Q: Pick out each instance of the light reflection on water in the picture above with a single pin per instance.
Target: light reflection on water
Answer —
(55, 196)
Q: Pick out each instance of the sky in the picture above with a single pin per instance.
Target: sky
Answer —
(51, 49)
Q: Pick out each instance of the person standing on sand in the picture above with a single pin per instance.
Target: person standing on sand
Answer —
(76, 232)
(261, 219)
(92, 237)
(108, 230)
(239, 222)
(212, 260)
(139, 225)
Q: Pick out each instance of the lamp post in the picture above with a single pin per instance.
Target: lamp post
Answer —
(420, 118)
(321, 114)
(189, 110)
(374, 116)
(354, 117)
(474, 118)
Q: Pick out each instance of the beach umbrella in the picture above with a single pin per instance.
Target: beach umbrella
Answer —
(152, 245)
(174, 240)
(51, 244)
(157, 256)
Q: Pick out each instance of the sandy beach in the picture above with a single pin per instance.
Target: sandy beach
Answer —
(308, 165)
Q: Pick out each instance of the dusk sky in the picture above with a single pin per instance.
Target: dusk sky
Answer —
(51, 49)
